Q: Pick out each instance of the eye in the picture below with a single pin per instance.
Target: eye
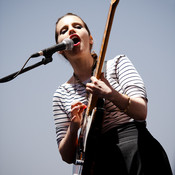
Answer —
(63, 31)
(78, 26)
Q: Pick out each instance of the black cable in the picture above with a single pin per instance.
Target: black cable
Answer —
(21, 68)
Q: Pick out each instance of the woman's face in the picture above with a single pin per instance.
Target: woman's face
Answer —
(73, 27)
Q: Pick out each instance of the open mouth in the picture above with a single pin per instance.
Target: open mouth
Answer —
(76, 39)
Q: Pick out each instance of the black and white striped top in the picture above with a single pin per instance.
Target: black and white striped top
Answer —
(123, 77)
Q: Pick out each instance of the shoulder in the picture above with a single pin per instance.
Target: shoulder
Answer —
(118, 59)
(63, 89)
(117, 62)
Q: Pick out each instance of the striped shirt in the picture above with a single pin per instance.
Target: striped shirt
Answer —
(122, 76)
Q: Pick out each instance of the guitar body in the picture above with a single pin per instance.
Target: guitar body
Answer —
(93, 139)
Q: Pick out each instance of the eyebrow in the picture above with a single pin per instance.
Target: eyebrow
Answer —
(74, 23)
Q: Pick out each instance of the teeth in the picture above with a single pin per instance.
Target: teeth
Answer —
(74, 37)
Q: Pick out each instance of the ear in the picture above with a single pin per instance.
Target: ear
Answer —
(91, 40)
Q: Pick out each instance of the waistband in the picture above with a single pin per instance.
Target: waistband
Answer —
(112, 135)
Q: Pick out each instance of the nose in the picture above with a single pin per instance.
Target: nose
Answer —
(71, 31)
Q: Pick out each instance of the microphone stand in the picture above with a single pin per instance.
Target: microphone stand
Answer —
(10, 77)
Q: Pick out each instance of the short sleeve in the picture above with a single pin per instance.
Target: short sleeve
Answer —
(129, 79)
(61, 118)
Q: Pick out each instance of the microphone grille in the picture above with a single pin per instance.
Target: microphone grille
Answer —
(69, 43)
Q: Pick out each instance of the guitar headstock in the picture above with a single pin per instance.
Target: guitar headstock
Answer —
(114, 2)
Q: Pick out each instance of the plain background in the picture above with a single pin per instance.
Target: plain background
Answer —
(143, 30)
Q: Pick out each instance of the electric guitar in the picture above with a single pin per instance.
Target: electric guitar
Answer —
(93, 119)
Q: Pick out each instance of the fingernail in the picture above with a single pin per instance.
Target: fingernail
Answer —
(84, 107)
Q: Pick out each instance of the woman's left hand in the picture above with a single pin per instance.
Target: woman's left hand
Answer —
(100, 87)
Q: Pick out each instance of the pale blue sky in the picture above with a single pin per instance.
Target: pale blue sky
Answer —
(143, 30)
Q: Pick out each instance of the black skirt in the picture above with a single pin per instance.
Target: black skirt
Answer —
(129, 149)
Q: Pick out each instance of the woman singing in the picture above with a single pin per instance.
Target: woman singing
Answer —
(126, 146)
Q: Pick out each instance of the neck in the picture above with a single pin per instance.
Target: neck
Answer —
(83, 67)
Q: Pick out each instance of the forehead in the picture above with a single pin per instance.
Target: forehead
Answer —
(69, 19)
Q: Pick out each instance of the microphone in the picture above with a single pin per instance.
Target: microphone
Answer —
(66, 44)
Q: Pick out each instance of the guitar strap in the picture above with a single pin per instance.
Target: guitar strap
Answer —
(104, 68)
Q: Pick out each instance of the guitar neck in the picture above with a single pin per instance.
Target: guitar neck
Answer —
(106, 38)
(100, 61)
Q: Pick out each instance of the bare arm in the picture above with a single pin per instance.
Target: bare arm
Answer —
(137, 108)
(68, 144)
